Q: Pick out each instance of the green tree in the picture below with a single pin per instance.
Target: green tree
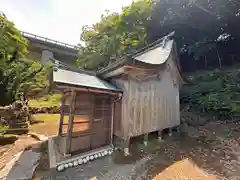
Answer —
(39, 85)
(15, 70)
(115, 35)
(199, 24)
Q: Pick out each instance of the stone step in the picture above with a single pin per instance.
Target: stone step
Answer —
(25, 167)
(20, 125)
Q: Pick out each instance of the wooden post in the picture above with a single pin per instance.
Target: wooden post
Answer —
(170, 132)
(126, 147)
(145, 139)
(159, 135)
(61, 114)
(112, 120)
(91, 117)
(70, 121)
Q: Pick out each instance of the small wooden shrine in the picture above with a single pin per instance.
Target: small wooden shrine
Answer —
(134, 96)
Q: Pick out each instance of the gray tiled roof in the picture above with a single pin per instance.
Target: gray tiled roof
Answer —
(62, 75)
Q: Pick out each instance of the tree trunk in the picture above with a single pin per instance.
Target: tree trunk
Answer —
(205, 60)
(219, 58)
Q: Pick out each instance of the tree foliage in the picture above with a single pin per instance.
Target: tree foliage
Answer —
(17, 73)
(215, 91)
(207, 32)
(115, 35)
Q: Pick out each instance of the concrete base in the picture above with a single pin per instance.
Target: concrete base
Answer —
(67, 155)
(159, 134)
(57, 157)
(145, 139)
(51, 152)
(85, 155)
(126, 152)
(178, 129)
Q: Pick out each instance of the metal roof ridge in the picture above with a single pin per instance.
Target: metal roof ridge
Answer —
(61, 65)
(123, 59)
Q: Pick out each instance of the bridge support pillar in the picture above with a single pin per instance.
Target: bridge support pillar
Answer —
(45, 57)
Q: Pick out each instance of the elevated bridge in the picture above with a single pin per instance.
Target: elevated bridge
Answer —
(42, 48)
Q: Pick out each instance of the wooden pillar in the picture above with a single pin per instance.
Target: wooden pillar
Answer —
(91, 116)
(112, 120)
(145, 139)
(60, 125)
(70, 121)
(178, 129)
(126, 147)
(159, 133)
(170, 132)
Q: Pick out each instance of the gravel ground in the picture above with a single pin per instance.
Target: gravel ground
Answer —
(211, 151)
(102, 169)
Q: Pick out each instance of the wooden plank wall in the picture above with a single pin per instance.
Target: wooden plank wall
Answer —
(149, 105)
(117, 118)
(91, 126)
(120, 127)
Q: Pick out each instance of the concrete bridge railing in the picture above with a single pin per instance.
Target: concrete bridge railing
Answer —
(43, 48)
(30, 35)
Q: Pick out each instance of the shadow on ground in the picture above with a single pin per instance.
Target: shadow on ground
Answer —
(211, 152)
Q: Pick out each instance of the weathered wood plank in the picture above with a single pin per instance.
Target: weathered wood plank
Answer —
(61, 114)
(112, 121)
(91, 117)
(151, 104)
(70, 121)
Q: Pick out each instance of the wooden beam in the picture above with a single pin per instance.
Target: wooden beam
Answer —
(70, 121)
(138, 68)
(61, 114)
(88, 90)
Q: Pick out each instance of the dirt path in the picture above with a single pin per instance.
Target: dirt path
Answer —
(208, 152)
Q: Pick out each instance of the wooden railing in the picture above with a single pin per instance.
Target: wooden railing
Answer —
(26, 34)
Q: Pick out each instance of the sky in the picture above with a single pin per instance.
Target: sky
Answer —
(60, 20)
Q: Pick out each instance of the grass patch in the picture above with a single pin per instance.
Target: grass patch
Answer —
(9, 135)
(46, 124)
(3, 127)
(46, 101)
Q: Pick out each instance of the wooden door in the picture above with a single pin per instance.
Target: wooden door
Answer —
(91, 123)
(101, 124)
(81, 126)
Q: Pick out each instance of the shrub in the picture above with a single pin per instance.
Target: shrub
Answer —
(215, 92)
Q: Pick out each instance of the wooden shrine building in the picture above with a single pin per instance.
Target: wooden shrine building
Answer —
(136, 95)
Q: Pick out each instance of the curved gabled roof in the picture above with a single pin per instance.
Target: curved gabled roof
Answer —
(162, 48)
(157, 55)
